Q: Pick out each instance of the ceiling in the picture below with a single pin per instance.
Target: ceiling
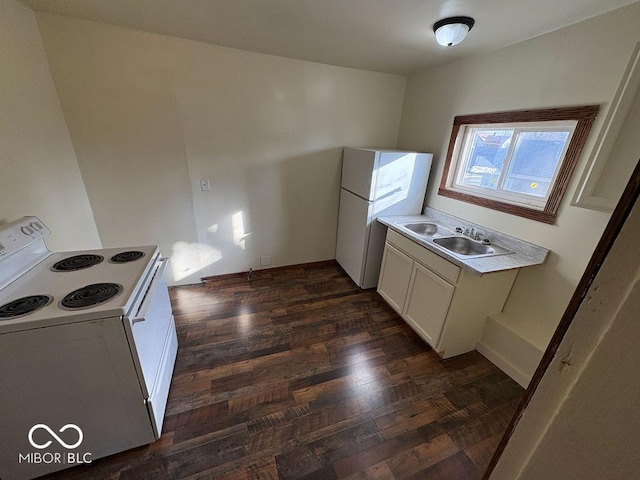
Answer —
(393, 36)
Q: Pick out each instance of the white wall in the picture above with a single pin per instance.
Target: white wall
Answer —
(583, 420)
(578, 65)
(150, 115)
(39, 173)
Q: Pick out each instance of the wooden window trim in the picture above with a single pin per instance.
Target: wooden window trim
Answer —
(584, 115)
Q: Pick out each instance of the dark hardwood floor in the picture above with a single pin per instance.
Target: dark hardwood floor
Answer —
(298, 373)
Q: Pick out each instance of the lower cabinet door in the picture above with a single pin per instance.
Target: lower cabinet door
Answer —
(395, 275)
(428, 302)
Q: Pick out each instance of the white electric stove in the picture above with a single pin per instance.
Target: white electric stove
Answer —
(87, 350)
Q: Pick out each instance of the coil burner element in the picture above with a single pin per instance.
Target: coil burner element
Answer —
(23, 306)
(77, 262)
(90, 295)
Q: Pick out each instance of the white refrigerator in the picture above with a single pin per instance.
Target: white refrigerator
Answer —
(375, 183)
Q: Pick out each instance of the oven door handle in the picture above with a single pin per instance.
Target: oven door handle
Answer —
(144, 308)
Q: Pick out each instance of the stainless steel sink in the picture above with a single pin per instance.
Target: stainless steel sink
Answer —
(468, 248)
(427, 229)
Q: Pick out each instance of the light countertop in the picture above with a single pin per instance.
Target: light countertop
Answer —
(524, 254)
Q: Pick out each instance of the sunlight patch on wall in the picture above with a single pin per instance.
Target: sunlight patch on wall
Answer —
(237, 229)
(190, 258)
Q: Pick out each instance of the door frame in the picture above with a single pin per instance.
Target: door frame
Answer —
(617, 220)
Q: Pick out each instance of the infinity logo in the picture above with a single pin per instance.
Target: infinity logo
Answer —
(60, 441)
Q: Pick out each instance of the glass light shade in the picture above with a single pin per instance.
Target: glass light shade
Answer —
(453, 34)
(451, 31)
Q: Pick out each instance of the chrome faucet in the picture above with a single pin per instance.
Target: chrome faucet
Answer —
(472, 233)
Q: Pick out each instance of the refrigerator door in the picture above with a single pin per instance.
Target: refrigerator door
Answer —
(353, 234)
(358, 171)
(400, 183)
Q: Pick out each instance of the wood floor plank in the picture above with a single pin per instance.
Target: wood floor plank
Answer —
(475, 423)
(415, 414)
(386, 450)
(481, 453)
(455, 467)
(355, 377)
(379, 471)
(296, 373)
(422, 456)
(198, 421)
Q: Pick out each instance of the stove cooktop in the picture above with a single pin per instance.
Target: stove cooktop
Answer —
(76, 286)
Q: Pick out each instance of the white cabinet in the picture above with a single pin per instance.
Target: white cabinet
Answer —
(395, 274)
(445, 305)
(428, 302)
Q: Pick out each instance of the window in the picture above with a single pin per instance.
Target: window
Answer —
(516, 162)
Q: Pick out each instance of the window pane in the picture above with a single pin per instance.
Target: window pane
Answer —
(535, 159)
(488, 151)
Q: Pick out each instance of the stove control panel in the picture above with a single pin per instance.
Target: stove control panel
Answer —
(21, 233)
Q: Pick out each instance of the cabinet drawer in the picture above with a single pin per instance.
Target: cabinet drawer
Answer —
(435, 262)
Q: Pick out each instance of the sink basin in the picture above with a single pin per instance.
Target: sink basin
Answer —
(427, 229)
(467, 248)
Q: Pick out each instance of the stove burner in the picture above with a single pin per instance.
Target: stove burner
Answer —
(90, 295)
(125, 257)
(23, 306)
(77, 262)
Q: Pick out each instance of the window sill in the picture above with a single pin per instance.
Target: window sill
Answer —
(531, 213)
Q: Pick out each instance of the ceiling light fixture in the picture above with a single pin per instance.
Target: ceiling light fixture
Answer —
(451, 31)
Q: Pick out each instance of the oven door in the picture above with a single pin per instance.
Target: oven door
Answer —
(154, 345)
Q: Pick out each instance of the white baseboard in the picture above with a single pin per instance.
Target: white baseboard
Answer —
(515, 355)
(503, 364)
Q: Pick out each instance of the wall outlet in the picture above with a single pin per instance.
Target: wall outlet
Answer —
(265, 260)
(205, 185)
